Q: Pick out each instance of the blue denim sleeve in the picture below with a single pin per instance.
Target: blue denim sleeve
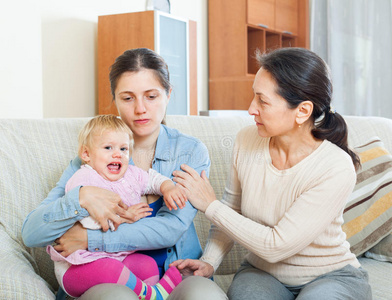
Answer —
(56, 214)
(162, 231)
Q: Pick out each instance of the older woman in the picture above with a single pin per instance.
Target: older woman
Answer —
(141, 90)
(290, 178)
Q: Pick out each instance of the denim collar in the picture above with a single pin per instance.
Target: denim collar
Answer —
(162, 150)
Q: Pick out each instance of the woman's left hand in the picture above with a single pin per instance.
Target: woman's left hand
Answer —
(198, 188)
(193, 267)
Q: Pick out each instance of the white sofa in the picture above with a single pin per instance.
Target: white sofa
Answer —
(34, 153)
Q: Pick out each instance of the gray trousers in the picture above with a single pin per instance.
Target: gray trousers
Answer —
(191, 288)
(344, 284)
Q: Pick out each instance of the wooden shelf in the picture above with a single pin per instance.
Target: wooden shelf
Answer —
(237, 28)
(289, 41)
(256, 40)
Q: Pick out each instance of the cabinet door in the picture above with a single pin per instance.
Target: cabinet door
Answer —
(287, 16)
(173, 47)
(117, 33)
(261, 13)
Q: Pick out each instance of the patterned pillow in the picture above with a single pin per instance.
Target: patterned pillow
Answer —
(368, 213)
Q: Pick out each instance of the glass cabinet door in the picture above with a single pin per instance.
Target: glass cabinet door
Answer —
(172, 45)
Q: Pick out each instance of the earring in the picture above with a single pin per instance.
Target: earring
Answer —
(299, 126)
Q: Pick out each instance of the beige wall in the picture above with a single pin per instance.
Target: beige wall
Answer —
(48, 54)
(20, 61)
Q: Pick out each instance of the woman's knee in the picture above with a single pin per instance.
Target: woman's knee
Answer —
(252, 283)
(196, 288)
(346, 283)
(109, 291)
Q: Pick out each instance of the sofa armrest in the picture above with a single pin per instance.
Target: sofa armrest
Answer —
(18, 275)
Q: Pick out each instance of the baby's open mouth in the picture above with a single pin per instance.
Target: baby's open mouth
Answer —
(114, 167)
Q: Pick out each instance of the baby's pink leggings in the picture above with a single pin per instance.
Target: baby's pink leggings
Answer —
(79, 278)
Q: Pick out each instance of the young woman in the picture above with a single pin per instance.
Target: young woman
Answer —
(290, 178)
(141, 91)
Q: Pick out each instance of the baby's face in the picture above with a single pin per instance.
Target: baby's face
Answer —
(109, 154)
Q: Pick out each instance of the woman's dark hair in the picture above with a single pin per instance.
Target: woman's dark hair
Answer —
(301, 75)
(134, 60)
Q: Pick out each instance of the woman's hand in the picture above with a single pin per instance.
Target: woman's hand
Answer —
(102, 205)
(198, 188)
(73, 239)
(136, 212)
(193, 267)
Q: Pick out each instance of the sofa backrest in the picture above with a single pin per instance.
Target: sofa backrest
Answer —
(34, 153)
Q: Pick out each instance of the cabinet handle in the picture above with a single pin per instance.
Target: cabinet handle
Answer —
(288, 32)
(262, 25)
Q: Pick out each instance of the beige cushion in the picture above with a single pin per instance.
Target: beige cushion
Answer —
(382, 251)
(368, 213)
(379, 277)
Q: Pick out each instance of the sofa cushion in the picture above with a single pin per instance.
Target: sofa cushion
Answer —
(379, 277)
(368, 213)
(382, 251)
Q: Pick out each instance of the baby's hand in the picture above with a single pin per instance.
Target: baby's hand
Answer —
(174, 196)
(136, 212)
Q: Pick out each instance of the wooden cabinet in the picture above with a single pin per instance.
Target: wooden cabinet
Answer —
(236, 29)
(173, 38)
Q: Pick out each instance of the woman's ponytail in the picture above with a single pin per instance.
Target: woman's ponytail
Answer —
(333, 127)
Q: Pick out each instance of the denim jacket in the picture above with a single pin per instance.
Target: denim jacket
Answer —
(173, 230)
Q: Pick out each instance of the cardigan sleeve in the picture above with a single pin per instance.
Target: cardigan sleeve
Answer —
(220, 243)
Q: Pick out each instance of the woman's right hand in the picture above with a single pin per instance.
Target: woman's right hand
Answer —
(102, 205)
(73, 239)
(194, 267)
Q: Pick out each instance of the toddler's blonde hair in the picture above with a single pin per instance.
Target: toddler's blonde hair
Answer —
(98, 125)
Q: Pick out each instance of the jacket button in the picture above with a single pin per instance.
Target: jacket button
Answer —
(168, 250)
(76, 212)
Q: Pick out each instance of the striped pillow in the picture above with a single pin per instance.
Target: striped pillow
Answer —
(368, 213)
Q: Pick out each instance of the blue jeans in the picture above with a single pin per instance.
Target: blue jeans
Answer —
(344, 284)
